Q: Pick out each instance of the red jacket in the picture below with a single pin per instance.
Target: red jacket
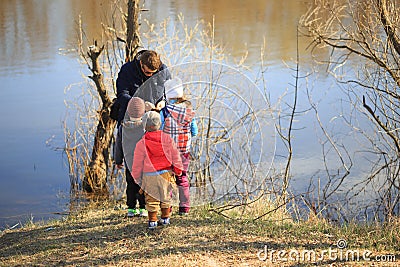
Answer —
(156, 151)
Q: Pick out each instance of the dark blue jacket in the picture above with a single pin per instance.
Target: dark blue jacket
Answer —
(131, 82)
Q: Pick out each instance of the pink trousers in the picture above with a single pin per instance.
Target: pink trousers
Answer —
(183, 185)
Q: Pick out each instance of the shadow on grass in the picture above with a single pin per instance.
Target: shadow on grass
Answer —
(113, 238)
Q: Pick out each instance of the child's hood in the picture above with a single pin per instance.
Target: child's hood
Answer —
(133, 124)
(154, 142)
(180, 114)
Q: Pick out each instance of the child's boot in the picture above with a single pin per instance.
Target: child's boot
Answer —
(165, 212)
(152, 219)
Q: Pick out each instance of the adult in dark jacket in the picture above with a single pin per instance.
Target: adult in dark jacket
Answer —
(145, 71)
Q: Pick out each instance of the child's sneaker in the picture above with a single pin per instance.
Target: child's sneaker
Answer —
(164, 221)
(132, 213)
(152, 225)
(143, 213)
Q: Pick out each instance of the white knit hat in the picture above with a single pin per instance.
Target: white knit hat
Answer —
(173, 88)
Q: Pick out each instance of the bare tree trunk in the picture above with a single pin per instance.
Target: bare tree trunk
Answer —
(97, 170)
(132, 30)
(95, 179)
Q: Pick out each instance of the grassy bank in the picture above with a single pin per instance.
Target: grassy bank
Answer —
(103, 236)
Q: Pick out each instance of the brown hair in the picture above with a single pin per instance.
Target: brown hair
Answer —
(151, 59)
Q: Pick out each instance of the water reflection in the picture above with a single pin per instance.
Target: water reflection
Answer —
(31, 32)
(242, 26)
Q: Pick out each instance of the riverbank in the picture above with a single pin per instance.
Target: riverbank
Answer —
(101, 235)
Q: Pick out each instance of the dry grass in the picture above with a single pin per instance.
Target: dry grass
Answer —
(103, 236)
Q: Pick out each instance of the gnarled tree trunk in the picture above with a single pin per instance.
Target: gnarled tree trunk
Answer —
(97, 170)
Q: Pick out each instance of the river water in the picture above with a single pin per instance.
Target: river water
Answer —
(35, 69)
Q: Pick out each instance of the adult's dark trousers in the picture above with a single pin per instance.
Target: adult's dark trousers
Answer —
(133, 197)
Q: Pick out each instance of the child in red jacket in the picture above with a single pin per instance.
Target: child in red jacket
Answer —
(155, 160)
